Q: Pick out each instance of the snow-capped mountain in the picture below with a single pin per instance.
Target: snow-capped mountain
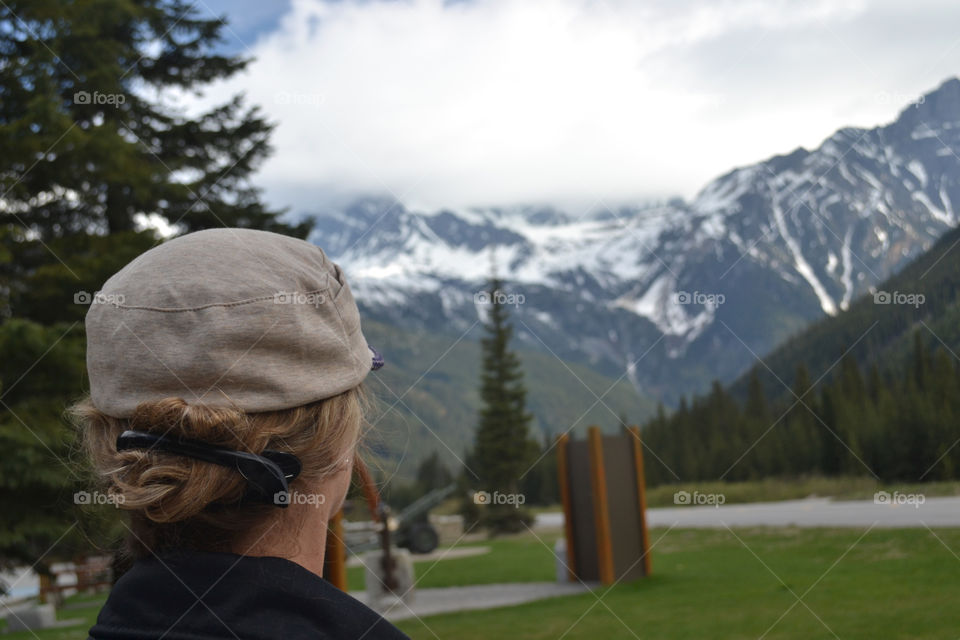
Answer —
(678, 293)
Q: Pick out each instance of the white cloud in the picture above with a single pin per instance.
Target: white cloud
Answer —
(496, 102)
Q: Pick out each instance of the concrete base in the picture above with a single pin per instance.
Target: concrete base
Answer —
(377, 595)
(32, 617)
(560, 555)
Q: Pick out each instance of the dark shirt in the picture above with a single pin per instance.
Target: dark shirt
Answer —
(191, 595)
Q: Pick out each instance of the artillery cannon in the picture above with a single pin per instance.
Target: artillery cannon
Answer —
(409, 529)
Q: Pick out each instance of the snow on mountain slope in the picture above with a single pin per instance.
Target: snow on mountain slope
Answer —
(697, 287)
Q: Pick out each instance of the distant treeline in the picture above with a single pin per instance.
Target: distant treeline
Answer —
(898, 424)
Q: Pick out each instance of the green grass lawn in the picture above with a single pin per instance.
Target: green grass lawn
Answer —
(706, 584)
(513, 559)
(710, 584)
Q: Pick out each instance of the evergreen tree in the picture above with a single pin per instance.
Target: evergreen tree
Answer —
(433, 474)
(900, 425)
(765, 457)
(850, 426)
(874, 383)
(851, 382)
(675, 439)
(653, 431)
(833, 453)
(756, 406)
(721, 414)
(921, 361)
(802, 427)
(503, 449)
(89, 133)
(539, 485)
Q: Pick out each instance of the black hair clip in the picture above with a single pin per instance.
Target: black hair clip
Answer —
(267, 474)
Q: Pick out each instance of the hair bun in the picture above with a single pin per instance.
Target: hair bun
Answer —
(165, 487)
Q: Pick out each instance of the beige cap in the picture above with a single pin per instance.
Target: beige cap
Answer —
(225, 317)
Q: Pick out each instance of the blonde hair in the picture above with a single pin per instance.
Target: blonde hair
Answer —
(180, 502)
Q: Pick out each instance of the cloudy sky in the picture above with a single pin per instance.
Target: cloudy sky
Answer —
(475, 103)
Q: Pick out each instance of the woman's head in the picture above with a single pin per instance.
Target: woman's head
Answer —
(242, 340)
(177, 501)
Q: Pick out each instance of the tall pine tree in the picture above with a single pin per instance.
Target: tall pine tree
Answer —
(503, 449)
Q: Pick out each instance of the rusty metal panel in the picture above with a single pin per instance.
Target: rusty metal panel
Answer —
(581, 499)
(623, 501)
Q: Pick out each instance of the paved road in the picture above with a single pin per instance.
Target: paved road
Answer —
(427, 602)
(443, 553)
(812, 512)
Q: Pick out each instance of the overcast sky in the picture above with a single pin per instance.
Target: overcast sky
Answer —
(566, 101)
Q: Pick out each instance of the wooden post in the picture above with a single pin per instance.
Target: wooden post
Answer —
(335, 554)
(564, 479)
(601, 511)
(46, 587)
(642, 497)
